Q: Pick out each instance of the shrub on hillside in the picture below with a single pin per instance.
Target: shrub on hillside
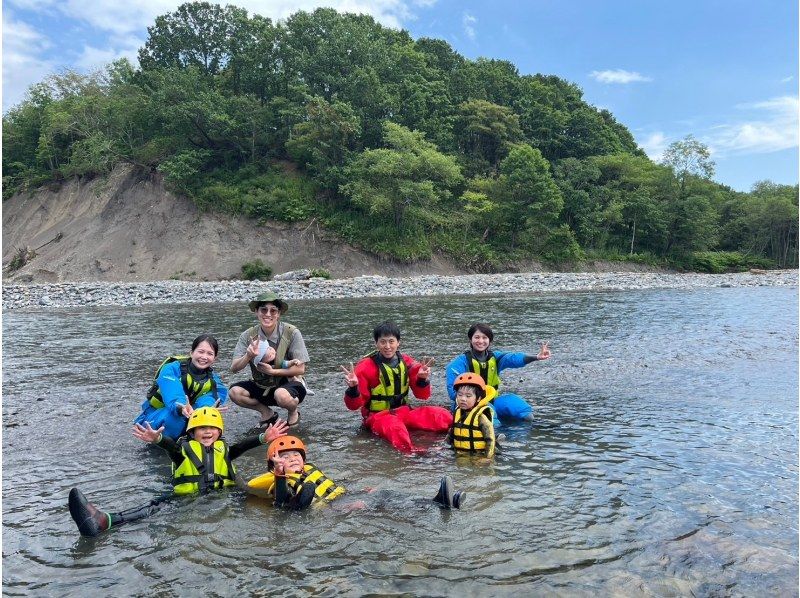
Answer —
(256, 270)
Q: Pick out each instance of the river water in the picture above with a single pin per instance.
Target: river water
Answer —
(663, 460)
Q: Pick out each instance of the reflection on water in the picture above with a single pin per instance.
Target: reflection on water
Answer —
(663, 460)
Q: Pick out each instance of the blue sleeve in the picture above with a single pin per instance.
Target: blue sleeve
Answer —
(169, 383)
(509, 360)
(454, 369)
(222, 390)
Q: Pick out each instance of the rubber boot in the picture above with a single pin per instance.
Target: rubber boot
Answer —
(136, 513)
(304, 498)
(459, 498)
(90, 520)
(445, 495)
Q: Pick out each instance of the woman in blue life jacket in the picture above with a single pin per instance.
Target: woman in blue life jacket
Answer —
(481, 359)
(184, 383)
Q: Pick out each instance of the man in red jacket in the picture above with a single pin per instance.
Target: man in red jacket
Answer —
(379, 385)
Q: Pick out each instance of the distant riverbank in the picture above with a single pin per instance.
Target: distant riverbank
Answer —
(174, 291)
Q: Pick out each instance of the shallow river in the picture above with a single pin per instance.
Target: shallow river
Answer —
(663, 460)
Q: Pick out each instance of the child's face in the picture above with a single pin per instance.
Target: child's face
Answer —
(466, 397)
(206, 435)
(387, 346)
(293, 461)
(479, 341)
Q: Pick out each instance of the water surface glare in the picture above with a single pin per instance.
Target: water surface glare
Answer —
(663, 460)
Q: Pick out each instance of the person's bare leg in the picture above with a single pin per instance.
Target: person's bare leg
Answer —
(284, 399)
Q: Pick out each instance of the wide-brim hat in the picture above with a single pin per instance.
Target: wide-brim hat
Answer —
(269, 297)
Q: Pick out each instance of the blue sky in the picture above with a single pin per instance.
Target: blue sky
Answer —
(723, 71)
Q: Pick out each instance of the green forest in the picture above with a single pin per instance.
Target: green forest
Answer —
(401, 147)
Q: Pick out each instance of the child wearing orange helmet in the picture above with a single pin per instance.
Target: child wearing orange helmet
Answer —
(201, 462)
(292, 481)
(296, 484)
(473, 428)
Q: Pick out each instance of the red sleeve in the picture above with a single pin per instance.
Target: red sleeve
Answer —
(421, 392)
(367, 373)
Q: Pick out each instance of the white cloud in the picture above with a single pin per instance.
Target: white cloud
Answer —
(773, 127)
(127, 17)
(468, 21)
(654, 145)
(23, 63)
(92, 58)
(618, 76)
(788, 79)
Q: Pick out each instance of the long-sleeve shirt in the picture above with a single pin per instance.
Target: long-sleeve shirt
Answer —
(358, 397)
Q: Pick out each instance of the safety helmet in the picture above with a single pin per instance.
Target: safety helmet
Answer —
(206, 416)
(284, 443)
(473, 380)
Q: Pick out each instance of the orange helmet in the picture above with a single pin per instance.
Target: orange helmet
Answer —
(285, 443)
(470, 378)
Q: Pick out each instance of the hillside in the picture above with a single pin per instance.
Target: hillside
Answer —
(127, 227)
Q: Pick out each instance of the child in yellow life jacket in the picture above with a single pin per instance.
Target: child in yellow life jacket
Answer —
(201, 462)
(292, 481)
(473, 428)
(297, 484)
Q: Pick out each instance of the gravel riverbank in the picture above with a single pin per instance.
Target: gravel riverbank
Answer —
(37, 296)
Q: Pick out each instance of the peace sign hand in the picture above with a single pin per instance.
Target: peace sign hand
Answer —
(424, 371)
(350, 375)
(544, 351)
(252, 348)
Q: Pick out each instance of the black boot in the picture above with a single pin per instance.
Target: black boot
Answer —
(445, 495)
(458, 498)
(91, 521)
(304, 498)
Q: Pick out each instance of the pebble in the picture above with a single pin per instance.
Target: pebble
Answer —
(82, 294)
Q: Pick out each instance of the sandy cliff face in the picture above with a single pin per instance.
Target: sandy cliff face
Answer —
(126, 227)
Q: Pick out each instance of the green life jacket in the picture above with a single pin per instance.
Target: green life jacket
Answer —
(266, 381)
(191, 388)
(392, 390)
(486, 370)
(203, 469)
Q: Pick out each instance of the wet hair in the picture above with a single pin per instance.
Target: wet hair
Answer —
(208, 339)
(480, 327)
(386, 329)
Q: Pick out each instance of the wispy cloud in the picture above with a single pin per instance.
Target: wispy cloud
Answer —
(654, 145)
(619, 76)
(23, 61)
(788, 79)
(772, 127)
(469, 21)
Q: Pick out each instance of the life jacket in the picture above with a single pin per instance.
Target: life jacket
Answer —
(203, 469)
(191, 388)
(486, 370)
(266, 381)
(326, 488)
(392, 388)
(467, 435)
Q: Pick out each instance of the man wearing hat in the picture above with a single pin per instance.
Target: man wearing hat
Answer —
(276, 383)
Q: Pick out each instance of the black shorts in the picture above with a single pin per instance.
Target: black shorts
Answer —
(267, 397)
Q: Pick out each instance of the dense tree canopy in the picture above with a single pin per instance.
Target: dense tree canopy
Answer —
(401, 145)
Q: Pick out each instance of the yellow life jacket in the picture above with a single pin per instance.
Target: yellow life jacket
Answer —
(392, 390)
(326, 488)
(467, 434)
(203, 468)
(266, 381)
(191, 388)
(486, 370)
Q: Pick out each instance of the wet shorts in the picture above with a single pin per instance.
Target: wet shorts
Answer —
(267, 397)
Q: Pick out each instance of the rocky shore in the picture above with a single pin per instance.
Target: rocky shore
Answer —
(37, 296)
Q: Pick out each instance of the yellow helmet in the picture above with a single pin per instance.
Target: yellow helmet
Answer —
(206, 416)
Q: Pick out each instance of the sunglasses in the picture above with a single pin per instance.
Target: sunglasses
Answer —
(272, 311)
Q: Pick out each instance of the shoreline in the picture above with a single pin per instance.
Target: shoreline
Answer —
(85, 294)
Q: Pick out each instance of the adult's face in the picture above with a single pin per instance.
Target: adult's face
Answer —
(268, 315)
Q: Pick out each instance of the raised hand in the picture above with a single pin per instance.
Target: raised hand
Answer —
(424, 371)
(187, 410)
(544, 351)
(273, 431)
(147, 434)
(350, 375)
(252, 348)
